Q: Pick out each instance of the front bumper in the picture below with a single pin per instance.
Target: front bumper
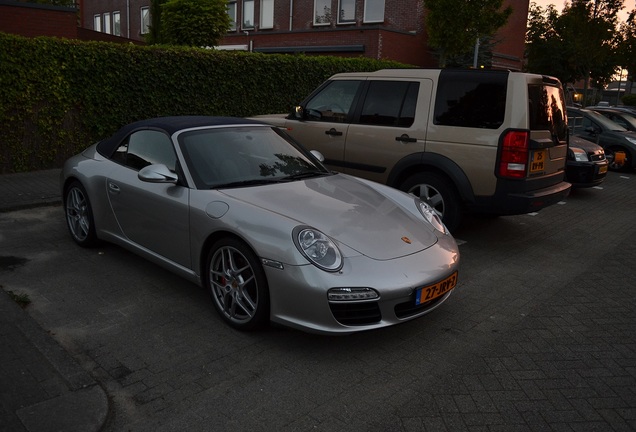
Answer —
(586, 174)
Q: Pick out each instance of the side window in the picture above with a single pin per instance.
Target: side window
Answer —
(469, 99)
(145, 148)
(620, 121)
(334, 102)
(390, 103)
(588, 123)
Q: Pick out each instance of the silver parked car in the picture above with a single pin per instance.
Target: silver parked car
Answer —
(238, 207)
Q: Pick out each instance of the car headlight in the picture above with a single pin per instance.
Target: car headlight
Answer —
(431, 216)
(319, 249)
(579, 154)
(631, 140)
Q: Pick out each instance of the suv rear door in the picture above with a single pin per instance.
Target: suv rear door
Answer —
(386, 126)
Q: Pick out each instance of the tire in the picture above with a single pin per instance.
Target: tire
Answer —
(609, 155)
(79, 215)
(439, 193)
(237, 284)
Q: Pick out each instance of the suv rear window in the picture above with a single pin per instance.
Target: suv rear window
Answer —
(547, 111)
(469, 99)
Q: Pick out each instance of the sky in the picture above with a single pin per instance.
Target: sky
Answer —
(629, 6)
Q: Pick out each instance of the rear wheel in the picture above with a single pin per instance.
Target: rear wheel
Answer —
(614, 163)
(438, 193)
(237, 283)
(79, 215)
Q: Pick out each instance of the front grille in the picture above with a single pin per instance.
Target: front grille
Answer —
(597, 156)
(407, 309)
(356, 313)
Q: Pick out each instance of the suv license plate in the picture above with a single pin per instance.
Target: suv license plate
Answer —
(538, 161)
(433, 291)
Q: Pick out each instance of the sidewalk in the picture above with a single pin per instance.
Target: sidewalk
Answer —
(43, 387)
(33, 189)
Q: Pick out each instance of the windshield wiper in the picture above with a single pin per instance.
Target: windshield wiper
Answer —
(306, 174)
(252, 182)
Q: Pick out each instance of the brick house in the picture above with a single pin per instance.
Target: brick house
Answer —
(32, 20)
(381, 29)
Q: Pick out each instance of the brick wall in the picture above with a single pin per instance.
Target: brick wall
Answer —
(30, 20)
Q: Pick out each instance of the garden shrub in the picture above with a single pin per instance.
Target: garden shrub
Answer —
(57, 96)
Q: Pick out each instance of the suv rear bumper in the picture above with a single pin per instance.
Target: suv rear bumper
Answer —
(506, 202)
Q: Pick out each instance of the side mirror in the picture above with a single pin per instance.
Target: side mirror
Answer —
(317, 155)
(299, 112)
(158, 173)
(591, 130)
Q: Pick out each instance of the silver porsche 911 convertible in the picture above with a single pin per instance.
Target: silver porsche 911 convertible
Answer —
(238, 207)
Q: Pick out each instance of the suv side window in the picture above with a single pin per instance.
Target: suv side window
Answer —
(145, 148)
(469, 99)
(334, 102)
(390, 103)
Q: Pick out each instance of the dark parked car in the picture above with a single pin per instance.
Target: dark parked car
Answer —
(623, 118)
(586, 164)
(614, 138)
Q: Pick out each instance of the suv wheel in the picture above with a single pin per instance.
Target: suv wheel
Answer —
(436, 191)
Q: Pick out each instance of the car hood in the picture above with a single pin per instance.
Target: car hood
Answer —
(584, 144)
(349, 211)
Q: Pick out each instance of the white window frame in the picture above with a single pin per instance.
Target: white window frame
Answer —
(371, 9)
(248, 15)
(107, 23)
(97, 22)
(267, 14)
(231, 11)
(351, 3)
(117, 23)
(324, 6)
(144, 20)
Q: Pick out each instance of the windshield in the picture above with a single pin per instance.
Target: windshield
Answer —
(244, 156)
(605, 122)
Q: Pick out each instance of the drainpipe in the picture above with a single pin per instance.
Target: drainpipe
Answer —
(128, 19)
(291, 13)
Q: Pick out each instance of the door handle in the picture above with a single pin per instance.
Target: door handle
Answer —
(113, 187)
(333, 132)
(405, 138)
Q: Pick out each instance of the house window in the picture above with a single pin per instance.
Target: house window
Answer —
(116, 23)
(373, 11)
(267, 14)
(97, 22)
(145, 19)
(231, 11)
(347, 11)
(107, 23)
(322, 12)
(248, 14)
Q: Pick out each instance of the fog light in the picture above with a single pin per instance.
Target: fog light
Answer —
(348, 294)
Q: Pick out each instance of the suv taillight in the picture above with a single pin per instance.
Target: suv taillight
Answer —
(514, 154)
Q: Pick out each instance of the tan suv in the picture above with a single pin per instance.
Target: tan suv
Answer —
(463, 140)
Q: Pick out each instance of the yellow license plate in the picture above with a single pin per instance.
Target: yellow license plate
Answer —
(538, 161)
(430, 292)
(602, 170)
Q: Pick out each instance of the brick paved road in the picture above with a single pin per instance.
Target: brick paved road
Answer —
(539, 335)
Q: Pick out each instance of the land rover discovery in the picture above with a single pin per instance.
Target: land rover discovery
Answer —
(491, 142)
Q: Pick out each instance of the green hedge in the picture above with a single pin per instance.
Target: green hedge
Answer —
(57, 96)
(629, 100)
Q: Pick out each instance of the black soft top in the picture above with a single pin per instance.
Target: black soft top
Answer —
(169, 125)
